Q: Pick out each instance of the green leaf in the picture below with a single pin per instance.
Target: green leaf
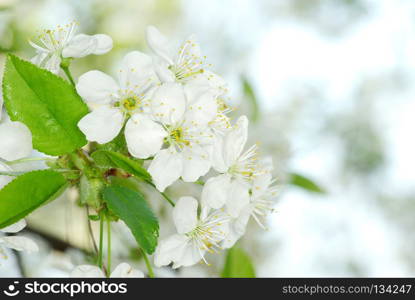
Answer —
(118, 144)
(112, 159)
(131, 207)
(27, 192)
(238, 264)
(250, 94)
(46, 103)
(305, 183)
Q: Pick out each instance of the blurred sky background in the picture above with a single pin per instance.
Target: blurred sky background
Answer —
(329, 85)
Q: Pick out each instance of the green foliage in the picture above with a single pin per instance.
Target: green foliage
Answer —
(250, 94)
(118, 144)
(27, 192)
(111, 159)
(305, 183)
(47, 104)
(238, 264)
(131, 207)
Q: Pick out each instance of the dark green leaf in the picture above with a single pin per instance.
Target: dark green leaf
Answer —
(27, 192)
(238, 264)
(131, 207)
(112, 159)
(46, 103)
(250, 95)
(305, 183)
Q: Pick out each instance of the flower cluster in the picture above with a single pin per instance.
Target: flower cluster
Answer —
(171, 110)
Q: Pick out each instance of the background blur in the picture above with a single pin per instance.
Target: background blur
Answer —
(329, 87)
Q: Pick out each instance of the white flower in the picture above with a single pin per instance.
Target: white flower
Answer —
(237, 169)
(181, 117)
(196, 235)
(262, 198)
(15, 143)
(62, 42)
(123, 270)
(183, 66)
(112, 103)
(18, 243)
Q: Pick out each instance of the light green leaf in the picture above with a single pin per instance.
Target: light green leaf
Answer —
(238, 264)
(305, 183)
(131, 207)
(46, 103)
(90, 190)
(27, 192)
(112, 159)
(250, 95)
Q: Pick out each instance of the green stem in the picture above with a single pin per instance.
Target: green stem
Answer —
(108, 247)
(101, 239)
(68, 74)
(148, 264)
(29, 159)
(163, 194)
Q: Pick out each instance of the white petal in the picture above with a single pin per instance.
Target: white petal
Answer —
(102, 125)
(15, 141)
(166, 168)
(136, 70)
(191, 255)
(261, 184)
(53, 64)
(169, 103)
(202, 107)
(235, 141)
(238, 197)
(4, 180)
(104, 44)
(185, 214)
(97, 87)
(218, 154)
(158, 43)
(237, 228)
(20, 243)
(80, 45)
(124, 270)
(144, 136)
(216, 190)
(162, 71)
(87, 271)
(170, 249)
(39, 58)
(196, 163)
(16, 227)
(210, 80)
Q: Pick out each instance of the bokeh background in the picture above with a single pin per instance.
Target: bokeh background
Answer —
(329, 86)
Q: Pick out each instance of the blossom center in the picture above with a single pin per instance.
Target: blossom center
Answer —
(129, 104)
(177, 137)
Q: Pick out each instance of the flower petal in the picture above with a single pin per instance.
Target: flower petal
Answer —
(80, 45)
(144, 136)
(16, 227)
(136, 71)
(202, 107)
(97, 87)
(102, 125)
(216, 190)
(166, 168)
(158, 43)
(185, 214)
(238, 197)
(87, 271)
(191, 255)
(170, 249)
(20, 243)
(124, 270)
(53, 64)
(235, 141)
(218, 155)
(196, 163)
(4, 180)
(237, 228)
(169, 103)
(15, 141)
(104, 44)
